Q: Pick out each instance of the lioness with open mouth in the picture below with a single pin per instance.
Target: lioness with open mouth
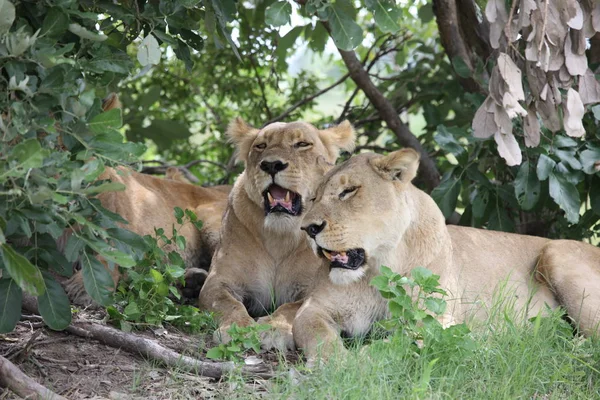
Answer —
(264, 259)
(367, 213)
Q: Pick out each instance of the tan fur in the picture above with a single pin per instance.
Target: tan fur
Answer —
(265, 261)
(401, 227)
(147, 203)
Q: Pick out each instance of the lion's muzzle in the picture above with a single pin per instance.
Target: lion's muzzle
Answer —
(281, 200)
(349, 259)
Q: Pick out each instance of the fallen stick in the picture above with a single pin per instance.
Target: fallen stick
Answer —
(151, 349)
(14, 379)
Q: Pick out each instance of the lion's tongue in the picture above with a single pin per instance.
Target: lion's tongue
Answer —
(280, 196)
(335, 256)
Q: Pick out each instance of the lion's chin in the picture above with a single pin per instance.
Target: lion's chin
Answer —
(343, 277)
(280, 222)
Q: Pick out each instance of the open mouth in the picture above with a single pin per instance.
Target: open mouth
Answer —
(281, 200)
(349, 259)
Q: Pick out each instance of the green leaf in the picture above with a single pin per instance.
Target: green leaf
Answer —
(215, 353)
(318, 39)
(527, 187)
(386, 14)
(447, 142)
(545, 166)
(128, 237)
(426, 13)
(110, 253)
(461, 67)
(7, 15)
(11, 297)
(27, 275)
(55, 23)
(105, 187)
(73, 248)
(345, 32)
(148, 51)
(595, 194)
(500, 220)
(590, 159)
(132, 310)
(446, 194)
(278, 13)
(54, 305)
(435, 305)
(102, 122)
(28, 154)
(565, 194)
(97, 280)
(568, 156)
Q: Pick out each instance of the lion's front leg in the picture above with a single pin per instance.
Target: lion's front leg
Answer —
(280, 335)
(222, 299)
(317, 334)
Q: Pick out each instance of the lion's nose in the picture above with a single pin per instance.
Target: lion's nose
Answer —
(314, 229)
(273, 167)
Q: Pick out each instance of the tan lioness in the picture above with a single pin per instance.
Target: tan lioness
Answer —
(367, 213)
(264, 260)
(148, 203)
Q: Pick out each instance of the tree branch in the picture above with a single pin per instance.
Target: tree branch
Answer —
(452, 37)
(387, 112)
(261, 86)
(151, 349)
(306, 100)
(13, 378)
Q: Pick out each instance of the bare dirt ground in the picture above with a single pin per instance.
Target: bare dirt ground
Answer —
(79, 368)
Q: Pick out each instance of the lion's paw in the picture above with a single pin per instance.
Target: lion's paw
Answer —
(279, 337)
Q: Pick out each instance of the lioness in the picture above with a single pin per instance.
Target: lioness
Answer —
(263, 259)
(367, 213)
(148, 203)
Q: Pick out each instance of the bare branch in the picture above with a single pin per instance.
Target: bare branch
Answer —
(387, 112)
(306, 100)
(14, 379)
(261, 86)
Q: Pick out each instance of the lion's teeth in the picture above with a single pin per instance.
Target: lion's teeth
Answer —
(287, 197)
(269, 197)
(327, 254)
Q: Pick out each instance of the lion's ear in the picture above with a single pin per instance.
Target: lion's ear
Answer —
(338, 138)
(400, 165)
(242, 135)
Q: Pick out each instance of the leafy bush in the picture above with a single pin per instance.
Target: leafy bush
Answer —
(149, 294)
(243, 338)
(413, 313)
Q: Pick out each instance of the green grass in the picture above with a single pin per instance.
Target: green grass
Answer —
(511, 360)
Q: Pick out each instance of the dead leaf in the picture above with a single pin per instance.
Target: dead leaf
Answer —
(576, 64)
(511, 75)
(508, 148)
(512, 106)
(483, 124)
(565, 77)
(531, 127)
(573, 114)
(536, 78)
(549, 114)
(596, 17)
(578, 41)
(556, 58)
(497, 86)
(502, 120)
(555, 28)
(495, 12)
(589, 88)
(576, 21)
(525, 9)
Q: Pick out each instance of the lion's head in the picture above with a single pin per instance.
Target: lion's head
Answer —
(361, 211)
(284, 164)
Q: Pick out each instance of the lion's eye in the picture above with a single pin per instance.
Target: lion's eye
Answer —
(260, 146)
(302, 144)
(347, 193)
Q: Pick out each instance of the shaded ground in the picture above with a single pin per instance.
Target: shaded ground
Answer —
(79, 368)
